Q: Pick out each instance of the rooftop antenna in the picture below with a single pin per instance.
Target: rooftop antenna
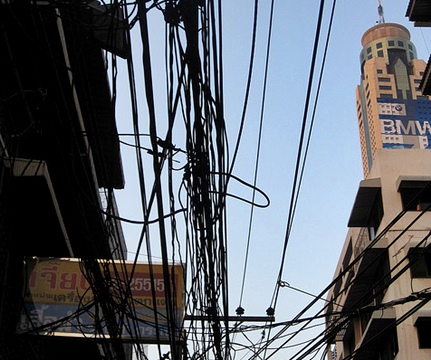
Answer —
(381, 16)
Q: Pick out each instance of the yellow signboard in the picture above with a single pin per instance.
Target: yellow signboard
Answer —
(58, 293)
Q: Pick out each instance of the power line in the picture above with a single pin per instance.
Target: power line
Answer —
(259, 141)
(296, 179)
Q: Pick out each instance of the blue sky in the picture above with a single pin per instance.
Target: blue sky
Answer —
(333, 168)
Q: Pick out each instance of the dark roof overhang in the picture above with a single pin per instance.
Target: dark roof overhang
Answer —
(425, 84)
(408, 181)
(366, 196)
(419, 11)
(89, 70)
(34, 213)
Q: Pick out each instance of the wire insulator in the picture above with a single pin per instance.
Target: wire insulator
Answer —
(240, 311)
(270, 311)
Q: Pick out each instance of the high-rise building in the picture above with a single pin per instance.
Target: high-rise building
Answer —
(378, 304)
(392, 112)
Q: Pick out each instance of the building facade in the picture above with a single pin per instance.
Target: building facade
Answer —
(392, 112)
(378, 304)
(60, 158)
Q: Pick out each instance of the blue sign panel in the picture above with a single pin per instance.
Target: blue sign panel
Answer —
(88, 321)
(405, 124)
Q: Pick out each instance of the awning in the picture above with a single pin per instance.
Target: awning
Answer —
(34, 211)
(406, 181)
(419, 11)
(366, 196)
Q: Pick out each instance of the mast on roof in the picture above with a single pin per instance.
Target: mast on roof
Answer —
(381, 16)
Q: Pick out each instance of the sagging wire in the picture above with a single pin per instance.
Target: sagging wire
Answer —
(297, 179)
(257, 158)
(412, 259)
(391, 280)
(198, 179)
(357, 259)
(300, 157)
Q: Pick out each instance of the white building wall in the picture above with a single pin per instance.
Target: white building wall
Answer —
(391, 166)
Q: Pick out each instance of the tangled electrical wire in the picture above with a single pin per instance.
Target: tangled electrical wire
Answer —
(194, 91)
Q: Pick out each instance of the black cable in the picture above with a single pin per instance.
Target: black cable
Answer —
(259, 140)
(248, 85)
(156, 168)
(410, 263)
(295, 186)
(145, 208)
(354, 262)
(313, 114)
(392, 279)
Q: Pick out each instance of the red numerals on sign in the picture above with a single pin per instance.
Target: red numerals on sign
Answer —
(141, 285)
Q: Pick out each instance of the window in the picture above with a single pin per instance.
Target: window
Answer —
(415, 195)
(421, 264)
(381, 280)
(401, 43)
(411, 55)
(380, 53)
(385, 87)
(423, 325)
(417, 81)
(376, 215)
(391, 43)
(384, 79)
(369, 50)
(379, 71)
(349, 340)
(348, 255)
(379, 45)
(408, 94)
(387, 96)
(410, 47)
(388, 347)
(378, 280)
(337, 286)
